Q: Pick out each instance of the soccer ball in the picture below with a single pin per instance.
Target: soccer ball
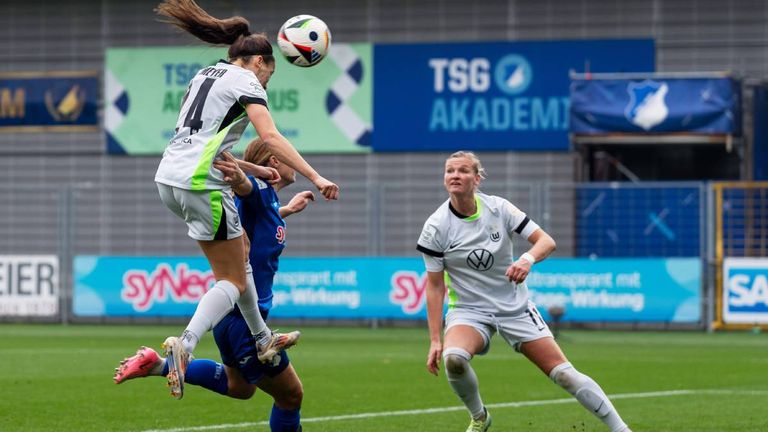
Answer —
(304, 40)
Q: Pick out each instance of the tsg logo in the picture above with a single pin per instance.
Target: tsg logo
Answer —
(646, 106)
(480, 259)
(513, 74)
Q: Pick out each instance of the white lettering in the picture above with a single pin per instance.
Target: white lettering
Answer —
(438, 65)
(463, 74)
(311, 296)
(748, 293)
(480, 78)
(457, 73)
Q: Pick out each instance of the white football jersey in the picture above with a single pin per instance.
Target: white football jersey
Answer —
(475, 252)
(212, 120)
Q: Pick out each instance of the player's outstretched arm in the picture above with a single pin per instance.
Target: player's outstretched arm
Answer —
(285, 152)
(299, 202)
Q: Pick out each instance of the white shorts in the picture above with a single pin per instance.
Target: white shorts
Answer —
(209, 214)
(515, 329)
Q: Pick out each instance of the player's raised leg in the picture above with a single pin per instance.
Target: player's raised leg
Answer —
(203, 372)
(146, 362)
(546, 354)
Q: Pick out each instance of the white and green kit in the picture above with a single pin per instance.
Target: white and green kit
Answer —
(475, 252)
(212, 120)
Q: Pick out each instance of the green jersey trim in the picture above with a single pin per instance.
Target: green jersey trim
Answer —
(479, 206)
(452, 296)
(216, 209)
(204, 167)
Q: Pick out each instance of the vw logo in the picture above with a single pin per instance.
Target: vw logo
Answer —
(480, 260)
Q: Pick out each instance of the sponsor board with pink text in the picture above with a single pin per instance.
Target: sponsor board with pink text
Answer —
(649, 290)
(304, 287)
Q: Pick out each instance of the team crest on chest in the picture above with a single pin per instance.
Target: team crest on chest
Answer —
(494, 233)
(280, 235)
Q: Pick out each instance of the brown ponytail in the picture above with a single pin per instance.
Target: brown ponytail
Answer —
(234, 31)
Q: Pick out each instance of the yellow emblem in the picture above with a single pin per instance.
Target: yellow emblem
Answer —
(69, 107)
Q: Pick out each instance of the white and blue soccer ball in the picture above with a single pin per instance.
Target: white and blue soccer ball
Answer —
(304, 40)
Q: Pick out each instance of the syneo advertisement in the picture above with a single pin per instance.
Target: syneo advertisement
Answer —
(322, 109)
(619, 290)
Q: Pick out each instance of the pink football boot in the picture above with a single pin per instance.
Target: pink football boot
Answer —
(137, 366)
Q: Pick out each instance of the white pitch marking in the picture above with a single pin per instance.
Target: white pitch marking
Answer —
(461, 408)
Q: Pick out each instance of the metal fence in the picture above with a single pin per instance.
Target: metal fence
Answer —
(641, 220)
(91, 218)
(740, 214)
(587, 220)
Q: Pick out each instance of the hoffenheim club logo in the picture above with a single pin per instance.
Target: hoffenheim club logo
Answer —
(513, 74)
(646, 107)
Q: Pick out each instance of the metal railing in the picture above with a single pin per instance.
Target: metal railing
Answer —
(708, 220)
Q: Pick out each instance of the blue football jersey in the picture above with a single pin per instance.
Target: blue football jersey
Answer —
(260, 216)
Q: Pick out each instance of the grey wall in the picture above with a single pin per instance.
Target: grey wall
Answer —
(58, 191)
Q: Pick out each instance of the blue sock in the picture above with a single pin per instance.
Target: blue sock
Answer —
(207, 373)
(284, 420)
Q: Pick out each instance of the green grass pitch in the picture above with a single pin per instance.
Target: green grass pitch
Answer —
(58, 378)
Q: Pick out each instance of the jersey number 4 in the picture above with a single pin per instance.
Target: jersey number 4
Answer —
(194, 119)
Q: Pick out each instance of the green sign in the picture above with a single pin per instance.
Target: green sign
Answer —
(322, 109)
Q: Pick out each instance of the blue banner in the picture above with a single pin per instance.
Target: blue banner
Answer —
(745, 291)
(619, 290)
(487, 96)
(590, 290)
(49, 101)
(304, 287)
(760, 133)
(690, 105)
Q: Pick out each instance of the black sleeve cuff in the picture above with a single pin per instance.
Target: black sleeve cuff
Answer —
(522, 225)
(247, 100)
(429, 252)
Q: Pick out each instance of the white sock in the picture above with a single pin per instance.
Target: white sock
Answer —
(589, 394)
(463, 380)
(249, 305)
(216, 303)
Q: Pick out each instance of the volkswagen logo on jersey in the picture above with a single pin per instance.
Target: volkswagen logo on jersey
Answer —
(480, 260)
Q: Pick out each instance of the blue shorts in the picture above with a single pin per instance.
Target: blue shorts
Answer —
(238, 349)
